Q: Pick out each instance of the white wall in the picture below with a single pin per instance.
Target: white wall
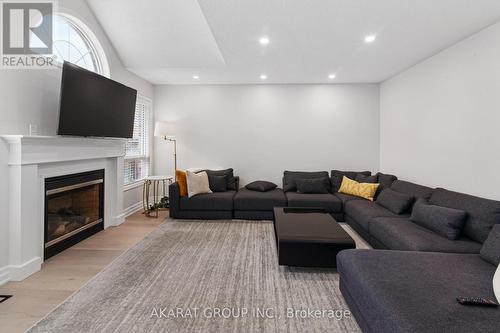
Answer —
(32, 97)
(262, 130)
(440, 120)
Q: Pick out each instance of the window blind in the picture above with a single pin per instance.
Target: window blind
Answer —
(137, 155)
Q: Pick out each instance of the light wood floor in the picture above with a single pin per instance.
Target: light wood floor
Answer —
(66, 272)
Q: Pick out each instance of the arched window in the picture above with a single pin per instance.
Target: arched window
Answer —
(76, 43)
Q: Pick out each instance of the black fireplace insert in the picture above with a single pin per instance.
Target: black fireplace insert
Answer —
(74, 209)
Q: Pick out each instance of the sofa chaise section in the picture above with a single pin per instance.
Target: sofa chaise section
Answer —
(403, 291)
(218, 205)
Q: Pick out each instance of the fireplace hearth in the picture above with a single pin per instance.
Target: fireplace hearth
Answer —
(74, 209)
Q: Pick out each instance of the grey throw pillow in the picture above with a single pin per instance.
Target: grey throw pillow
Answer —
(447, 222)
(396, 202)
(490, 251)
(261, 186)
(217, 183)
(315, 185)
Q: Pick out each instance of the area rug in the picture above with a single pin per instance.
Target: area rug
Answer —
(204, 276)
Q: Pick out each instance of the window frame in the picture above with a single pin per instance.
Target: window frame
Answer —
(149, 155)
(89, 36)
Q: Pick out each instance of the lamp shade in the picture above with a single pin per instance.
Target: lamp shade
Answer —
(164, 129)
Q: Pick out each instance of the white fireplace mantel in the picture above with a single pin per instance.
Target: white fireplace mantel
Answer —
(31, 159)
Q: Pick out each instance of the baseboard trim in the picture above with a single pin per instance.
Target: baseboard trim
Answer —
(4, 275)
(20, 272)
(132, 209)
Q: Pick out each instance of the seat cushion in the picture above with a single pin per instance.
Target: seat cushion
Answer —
(416, 190)
(347, 197)
(328, 202)
(402, 291)
(363, 211)
(262, 201)
(209, 201)
(402, 234)
(482, 214)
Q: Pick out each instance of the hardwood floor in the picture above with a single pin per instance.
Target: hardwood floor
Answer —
(66, 272)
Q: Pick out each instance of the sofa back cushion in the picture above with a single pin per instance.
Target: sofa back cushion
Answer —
(416, 190)
(232, 181)
(396, 202)
(312, 186)
(289, 178)
(482, 214)
(360, 178)
(490, 251)
(447, 222)
(337, 177)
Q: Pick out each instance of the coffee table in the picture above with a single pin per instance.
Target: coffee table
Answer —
(308, 237)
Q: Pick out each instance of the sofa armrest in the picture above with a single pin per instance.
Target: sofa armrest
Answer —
(174, 198)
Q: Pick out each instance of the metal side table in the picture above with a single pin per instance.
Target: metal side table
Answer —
(153, 202)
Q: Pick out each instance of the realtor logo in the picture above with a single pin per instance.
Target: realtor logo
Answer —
(27, 36)
(27, 28)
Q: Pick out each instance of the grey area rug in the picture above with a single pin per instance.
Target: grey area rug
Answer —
(203, 276)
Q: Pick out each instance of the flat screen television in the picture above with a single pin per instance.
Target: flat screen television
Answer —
(93, 105)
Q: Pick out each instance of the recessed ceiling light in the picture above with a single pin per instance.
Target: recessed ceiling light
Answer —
(264, 40)
(196, 77)
(263, 76)
(370, 38)
(331, 76)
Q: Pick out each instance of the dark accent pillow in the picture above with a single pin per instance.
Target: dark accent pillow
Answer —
(217, 183)
(261, 186)
(447, 222)
(360, 178)
(490, 251)
(315, 185)
(396, 202)
(337, 176)
(232, 181)
(289, 178)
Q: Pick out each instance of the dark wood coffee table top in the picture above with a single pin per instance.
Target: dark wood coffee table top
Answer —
(308, 226)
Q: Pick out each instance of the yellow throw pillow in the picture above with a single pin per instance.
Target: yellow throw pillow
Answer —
(363, 190)
(181, 180)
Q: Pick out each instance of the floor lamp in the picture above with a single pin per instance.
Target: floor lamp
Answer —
(165, 130)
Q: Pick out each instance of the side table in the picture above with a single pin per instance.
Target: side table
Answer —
(157, 183)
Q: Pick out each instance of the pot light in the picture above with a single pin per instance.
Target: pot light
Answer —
(263, 76)
(331, 76)
(196, 77)
(264, 40)
(370, 38)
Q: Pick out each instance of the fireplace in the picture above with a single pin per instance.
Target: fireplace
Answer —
(74, 209)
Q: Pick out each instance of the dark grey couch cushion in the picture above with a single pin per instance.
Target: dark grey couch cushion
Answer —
(261, 186)
(337, 176)
(360, 178)
(217, 183)
(385, 180)
(402, 234)
(232, 181)
(396, 202)
(221, 201)
(311, 186)
(482, 214)
(363, 212)
(403, 291)
(416, 190)
(327, 201)
(347, 197)
(289, 178)
(447, 222)
(248, 200)
(490, 251)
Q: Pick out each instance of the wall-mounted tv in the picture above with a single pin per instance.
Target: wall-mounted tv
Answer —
(93, 105)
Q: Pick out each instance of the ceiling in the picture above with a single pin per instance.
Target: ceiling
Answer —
(170, 41)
